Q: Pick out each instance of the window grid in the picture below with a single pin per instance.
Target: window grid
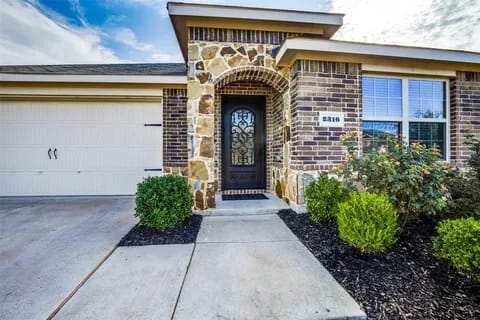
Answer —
(405, 119)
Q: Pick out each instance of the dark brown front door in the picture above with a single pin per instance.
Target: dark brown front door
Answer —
(243, 142)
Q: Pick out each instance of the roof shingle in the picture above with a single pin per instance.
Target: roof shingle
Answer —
(170, 69)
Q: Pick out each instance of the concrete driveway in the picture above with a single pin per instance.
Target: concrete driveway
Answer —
(48, 246)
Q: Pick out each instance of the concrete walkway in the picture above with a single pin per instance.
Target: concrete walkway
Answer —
(253, 267)
(242, 267)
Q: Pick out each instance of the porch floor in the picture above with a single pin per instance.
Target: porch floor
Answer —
(246, 207)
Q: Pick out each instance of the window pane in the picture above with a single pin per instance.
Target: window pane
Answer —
(382, 97)
(426, 99)
(429, 134)
(375, 133)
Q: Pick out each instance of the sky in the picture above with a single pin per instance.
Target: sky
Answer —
(128, 31)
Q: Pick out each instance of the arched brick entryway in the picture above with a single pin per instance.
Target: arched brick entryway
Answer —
(254, 74)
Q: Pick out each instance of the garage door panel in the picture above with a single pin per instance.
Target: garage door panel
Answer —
(24, 158)
(14, 133)
(111, 159)
(102, 147)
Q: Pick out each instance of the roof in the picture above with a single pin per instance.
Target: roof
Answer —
(184, 15)
(291, 48)
(154, 69)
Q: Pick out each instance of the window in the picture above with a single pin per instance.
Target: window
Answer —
(413, 108)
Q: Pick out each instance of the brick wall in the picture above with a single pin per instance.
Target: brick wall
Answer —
(242, 36)
(175, 154)
(322, 86)
(464, 113)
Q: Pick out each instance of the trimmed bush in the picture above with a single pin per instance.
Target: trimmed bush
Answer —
(323, 196)
(458, 242)
(163, 202)
(368, 221)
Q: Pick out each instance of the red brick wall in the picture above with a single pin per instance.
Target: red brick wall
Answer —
(322, 86)
(464, 113)
(175, 153)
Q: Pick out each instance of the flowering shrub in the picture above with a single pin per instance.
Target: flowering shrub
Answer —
(412, 176)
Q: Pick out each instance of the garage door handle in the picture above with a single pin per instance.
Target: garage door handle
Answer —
(55, 153)
(50, 153)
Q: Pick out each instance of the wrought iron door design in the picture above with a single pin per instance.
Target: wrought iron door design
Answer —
(243, 142)
(243, 137)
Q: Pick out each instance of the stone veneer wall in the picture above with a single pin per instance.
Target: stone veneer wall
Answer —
(464, 113)
(317, 86)
(175, 155)
(216, 64)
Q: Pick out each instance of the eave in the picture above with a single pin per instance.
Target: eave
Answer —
(376, 54)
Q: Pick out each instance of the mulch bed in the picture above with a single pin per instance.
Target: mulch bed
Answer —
(143, 236)
(406, 282)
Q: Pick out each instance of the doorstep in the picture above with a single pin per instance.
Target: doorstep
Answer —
(245, 207)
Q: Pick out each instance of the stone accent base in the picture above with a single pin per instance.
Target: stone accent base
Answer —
(290, 184)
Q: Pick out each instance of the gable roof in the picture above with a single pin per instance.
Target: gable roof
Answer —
(185, 15)
(163, 69)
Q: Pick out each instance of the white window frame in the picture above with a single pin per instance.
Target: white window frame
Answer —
(405, 118)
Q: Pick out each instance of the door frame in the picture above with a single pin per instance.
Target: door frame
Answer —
(261, 101)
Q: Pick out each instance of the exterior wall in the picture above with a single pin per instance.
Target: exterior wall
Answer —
(318, 86)
(175, 152)
(216, 59)
(464, 113)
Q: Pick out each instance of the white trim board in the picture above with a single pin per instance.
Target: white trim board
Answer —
(381, 50)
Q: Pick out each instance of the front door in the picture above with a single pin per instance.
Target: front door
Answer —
(243, 142)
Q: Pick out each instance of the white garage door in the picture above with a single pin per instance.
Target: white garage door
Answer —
(78, 148)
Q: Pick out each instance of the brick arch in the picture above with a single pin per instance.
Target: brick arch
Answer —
(252, 73)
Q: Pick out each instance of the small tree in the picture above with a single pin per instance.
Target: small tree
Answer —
(411, 175)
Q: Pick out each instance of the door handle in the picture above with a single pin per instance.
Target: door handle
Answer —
(55, 153)
(49, 153)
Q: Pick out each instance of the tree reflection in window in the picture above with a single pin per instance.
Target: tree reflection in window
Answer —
(243, 137)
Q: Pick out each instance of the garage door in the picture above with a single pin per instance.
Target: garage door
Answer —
(78, 148)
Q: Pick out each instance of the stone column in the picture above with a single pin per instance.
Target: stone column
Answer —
(201, 128)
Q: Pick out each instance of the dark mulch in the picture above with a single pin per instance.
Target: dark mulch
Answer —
(143, 236)
(406, 282)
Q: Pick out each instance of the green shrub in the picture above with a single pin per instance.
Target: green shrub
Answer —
(368, 222)
(464, 199)
(458, 241)
(473, 144)
(163, 202)
(411, 175)
(323, 196)
(464, 186)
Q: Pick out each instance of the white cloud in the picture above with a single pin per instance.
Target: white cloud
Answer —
(127, 37)
(28, 36)
(165, 57)
(449, 24)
